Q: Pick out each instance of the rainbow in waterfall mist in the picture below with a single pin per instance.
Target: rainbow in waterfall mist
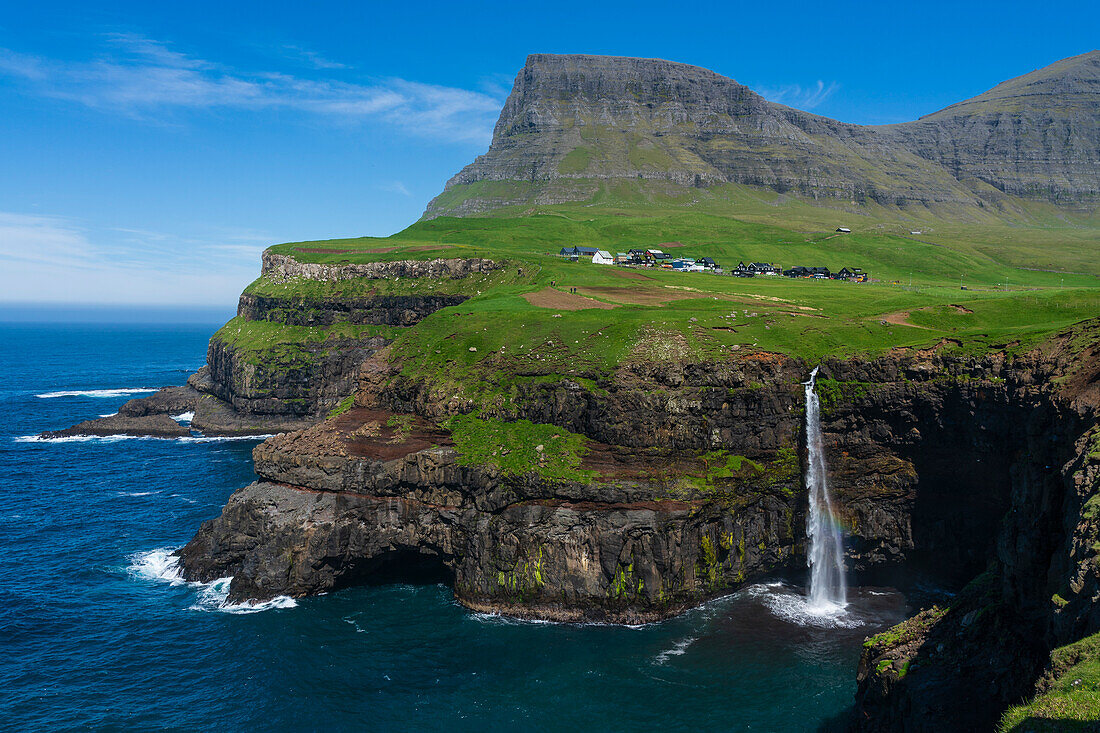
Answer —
(828, 592)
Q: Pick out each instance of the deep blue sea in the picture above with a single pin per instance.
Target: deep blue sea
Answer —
(94, 633)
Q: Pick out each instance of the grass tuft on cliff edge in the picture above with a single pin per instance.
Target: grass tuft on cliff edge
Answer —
(1071, 699)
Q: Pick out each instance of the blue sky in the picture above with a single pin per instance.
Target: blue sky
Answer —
(149, 151)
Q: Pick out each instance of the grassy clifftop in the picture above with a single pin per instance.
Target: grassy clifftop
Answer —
(540, 314)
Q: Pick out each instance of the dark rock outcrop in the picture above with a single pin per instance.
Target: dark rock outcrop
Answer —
(923, 447)
(959, 667)
(154, 426)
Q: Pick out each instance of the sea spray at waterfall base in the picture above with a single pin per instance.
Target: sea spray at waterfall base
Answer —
(96, 616)
(825, 550)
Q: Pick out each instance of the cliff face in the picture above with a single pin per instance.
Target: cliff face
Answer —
(573, 123)
(642, 536)
(959, 667)
(288, 359)
(291, 382)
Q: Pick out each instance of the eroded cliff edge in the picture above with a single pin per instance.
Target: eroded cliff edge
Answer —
(688, 486)
(293, 351)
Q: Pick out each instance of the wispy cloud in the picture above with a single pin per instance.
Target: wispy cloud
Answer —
(795, 95)
(49, 258)
(395, 187)
(143, 78)
(311, 59)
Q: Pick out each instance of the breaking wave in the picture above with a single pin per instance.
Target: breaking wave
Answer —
(162, 565)
(124, 392)
(184, 417)
(677, 649)
(117, 438)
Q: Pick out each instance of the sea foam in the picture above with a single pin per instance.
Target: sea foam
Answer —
(124, 392)
(117, 438)
(162, 565)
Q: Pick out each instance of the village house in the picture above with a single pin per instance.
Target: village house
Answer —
(801, 271)
(852, 274)
(707, 263)
(657, 257)
(844, 230)
(742, 270)
(637, 256)
(763, 268)
(602, 257)
(622, 258)
(574, 253)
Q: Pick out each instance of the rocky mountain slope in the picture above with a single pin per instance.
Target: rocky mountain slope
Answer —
(574, 125)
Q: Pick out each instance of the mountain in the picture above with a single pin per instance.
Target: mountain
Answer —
(576, 125)
(1035, 136)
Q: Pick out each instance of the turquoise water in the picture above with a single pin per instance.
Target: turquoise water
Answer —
(93, 635)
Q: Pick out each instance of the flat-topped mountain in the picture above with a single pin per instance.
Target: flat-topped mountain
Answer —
(575, 125)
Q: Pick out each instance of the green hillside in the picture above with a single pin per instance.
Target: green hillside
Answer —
(523, 322)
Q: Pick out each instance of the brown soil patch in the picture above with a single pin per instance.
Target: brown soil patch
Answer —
(321, 250)
(653, 295)
(960, 309)
(670, 245)
(367, 434)
(901, 319)
(557, 300)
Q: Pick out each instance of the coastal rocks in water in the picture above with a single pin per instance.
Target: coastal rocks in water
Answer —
(165, 401)
(155, 426)
(140, 417)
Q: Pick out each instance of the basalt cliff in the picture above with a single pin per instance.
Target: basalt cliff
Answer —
(961, 466)
(305, 363)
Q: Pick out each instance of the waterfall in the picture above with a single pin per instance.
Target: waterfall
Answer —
(825, 555)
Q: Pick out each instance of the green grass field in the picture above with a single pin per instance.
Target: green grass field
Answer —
(917, 298)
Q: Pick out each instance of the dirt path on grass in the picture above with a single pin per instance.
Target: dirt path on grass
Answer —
(557, 300)
(900, 318)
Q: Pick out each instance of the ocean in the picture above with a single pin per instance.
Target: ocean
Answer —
(96, 631)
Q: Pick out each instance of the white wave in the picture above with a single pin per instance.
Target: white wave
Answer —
(159, 564)
(117, 438)
(124, 392)
(74, 438)
(506, 620)
(795, 608)
(183, 417)
(501, 619)
(677, 649)
(163, 565)
(221, 438)
(136, 493)
(109, 414)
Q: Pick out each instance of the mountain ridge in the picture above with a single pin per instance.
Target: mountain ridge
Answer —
(573, 123)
